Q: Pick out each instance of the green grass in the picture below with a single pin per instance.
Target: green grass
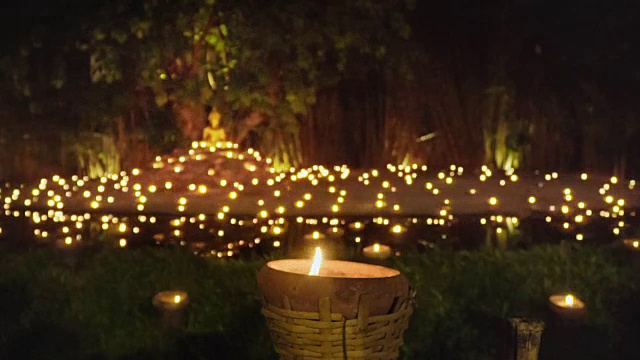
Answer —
(100, 308)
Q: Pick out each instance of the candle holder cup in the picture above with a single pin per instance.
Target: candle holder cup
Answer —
(171, 305)
(575, 311)
(632, 246)
(341, 314)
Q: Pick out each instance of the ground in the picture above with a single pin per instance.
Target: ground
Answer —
(226, 182)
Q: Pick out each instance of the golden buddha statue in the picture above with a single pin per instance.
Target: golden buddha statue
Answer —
(214, 133)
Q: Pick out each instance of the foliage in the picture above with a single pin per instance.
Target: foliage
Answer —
(267, 65)
(533, 84)
(101, 308)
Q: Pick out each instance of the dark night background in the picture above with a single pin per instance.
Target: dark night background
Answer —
(541, 85)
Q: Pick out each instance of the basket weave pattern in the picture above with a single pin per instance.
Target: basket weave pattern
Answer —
(325, 335)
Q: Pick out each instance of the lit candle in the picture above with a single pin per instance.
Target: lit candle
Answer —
(315, 235)
(171, 304)
(356, 226)
(171, 300)
(377, 251)
(567, 305)
(335, 231)
(303, 282)
(633, 244)
(398, 229)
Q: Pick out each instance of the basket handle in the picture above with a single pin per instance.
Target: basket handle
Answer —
(363, 312)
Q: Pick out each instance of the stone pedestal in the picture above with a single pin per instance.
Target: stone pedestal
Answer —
(526, 338)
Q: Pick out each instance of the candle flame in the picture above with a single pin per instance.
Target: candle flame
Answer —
(177, 299)
(376, 248)
(636, 244)
(317, 261)
(569, 300)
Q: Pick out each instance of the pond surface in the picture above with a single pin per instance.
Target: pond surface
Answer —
(243, 237)
(223, 202)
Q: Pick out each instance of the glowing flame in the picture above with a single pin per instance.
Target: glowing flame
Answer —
(376, 248)
(177, 299)
(317, 261)
(569, 300)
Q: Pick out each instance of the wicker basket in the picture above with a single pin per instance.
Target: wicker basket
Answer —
(326, 335)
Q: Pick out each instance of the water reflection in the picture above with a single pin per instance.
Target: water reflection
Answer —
(207, 235)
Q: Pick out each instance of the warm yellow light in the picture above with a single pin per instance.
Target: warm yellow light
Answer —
(177, 299)
(532, 199)
(317, 261)
(376, 247)
(397, 229)
(493, 200)
(569, 300)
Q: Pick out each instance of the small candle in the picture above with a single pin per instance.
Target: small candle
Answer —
(567, 305)
(398, 229)
(356, 226)
(633, 244)
(170, 300)
(335, 231)
(377, 251)
(316, 235)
